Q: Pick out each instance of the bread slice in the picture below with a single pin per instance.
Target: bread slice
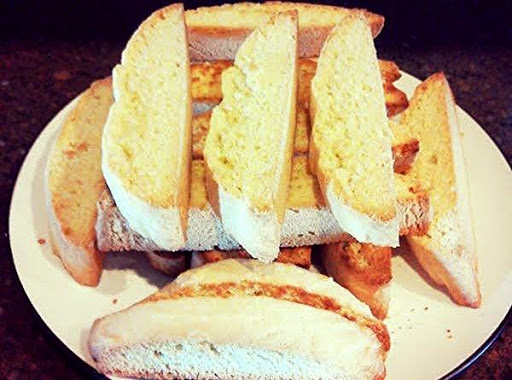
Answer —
(307, 220)
(197, 327)
(364, 269)
(447, 252)
(350, 148)
(74, 183)
(206, 93)
(216, 33)
(147, 137)
(300, 256)
(250, 142)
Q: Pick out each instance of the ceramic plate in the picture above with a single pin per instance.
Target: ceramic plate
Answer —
(430, 335)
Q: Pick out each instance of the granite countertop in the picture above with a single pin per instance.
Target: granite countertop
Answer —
(38, 78)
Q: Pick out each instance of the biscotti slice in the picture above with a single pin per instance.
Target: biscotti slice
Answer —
(242, 319)
(350, 148)
(147, 137)
(206, 83)
(74, 183)
(364, 269)
(447, 252)
(249, 145)
(216, 33)
(307, 220)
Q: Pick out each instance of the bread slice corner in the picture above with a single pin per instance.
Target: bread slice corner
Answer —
(249, 145)
(146, 141)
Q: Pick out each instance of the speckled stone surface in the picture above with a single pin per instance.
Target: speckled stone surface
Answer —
(38, 79)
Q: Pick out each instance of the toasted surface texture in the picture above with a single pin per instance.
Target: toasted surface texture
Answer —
(217, 32)
(307, 220)
(447, 252)
(364, 269)
(146, 141)
(300, 256)
(189, 335)
(74, 183)
(351, 141)
(249, 144)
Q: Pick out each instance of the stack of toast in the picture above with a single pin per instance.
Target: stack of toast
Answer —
(261, 132)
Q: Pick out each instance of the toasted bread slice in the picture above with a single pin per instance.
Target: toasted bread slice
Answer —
(364, 269)
(74, 183)
(447, 252)
(147, 137)
(350, 148)
(300, 256)
(206, 83)
(216, 33)
(250, 142)
(307, 220)
(197, 326)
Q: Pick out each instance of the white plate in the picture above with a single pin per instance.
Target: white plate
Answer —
(430, 335)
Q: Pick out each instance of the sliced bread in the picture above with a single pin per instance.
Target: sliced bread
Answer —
(350, 148)
(250, 142)
(147, 137)
(307, 220)
(74, 183)
(447, 252)
(231, 320)
(218, 32)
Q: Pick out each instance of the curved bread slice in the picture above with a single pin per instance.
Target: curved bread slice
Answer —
(447, 252)
(199, 328)
(74, 183)
(351, 141)
(250, 142)
(147, 137)
(217, 32)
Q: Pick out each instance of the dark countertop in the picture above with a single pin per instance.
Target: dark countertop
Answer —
(38, 78)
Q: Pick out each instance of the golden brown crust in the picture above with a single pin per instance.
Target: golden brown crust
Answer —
(280, 292)
(404, 155)
(364, 269)
(300, 256)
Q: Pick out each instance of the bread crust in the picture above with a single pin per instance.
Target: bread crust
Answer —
(364, 269)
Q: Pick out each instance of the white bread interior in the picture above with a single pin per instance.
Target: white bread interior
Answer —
(147, 137)
(447, 252)
(350, 148)
(249, 144)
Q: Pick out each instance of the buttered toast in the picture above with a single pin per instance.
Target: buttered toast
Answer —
(249, 144)
(448, 251)
(350, 148)
(147, 136)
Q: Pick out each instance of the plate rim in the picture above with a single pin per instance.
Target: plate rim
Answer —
(86, 368)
